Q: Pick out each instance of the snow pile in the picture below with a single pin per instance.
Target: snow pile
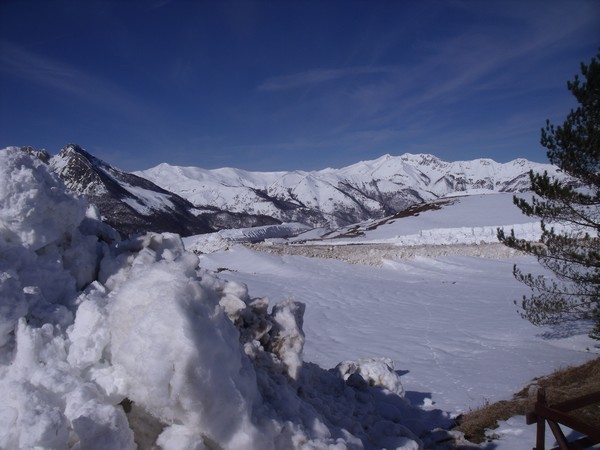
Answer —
(224, 239)
(32, 216)
(468, 235)
(108, 344)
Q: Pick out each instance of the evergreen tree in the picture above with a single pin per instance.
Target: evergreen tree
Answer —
(573, 294)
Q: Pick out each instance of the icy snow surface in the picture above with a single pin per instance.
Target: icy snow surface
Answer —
(112, 344)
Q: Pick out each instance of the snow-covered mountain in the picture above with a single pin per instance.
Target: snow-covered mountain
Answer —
(130, 203)
(192, 200)
(339, 197)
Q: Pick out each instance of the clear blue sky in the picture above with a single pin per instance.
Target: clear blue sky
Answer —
(282, 84)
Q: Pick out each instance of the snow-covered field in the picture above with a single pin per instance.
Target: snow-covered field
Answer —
(108, 344)
(449, 322)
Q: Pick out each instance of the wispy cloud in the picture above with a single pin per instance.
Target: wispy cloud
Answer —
(452, 68)
(428, 95)
(158, 4)
(320, 75)
(64, 78)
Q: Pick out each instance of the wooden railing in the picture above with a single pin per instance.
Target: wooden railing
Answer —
(559, 414)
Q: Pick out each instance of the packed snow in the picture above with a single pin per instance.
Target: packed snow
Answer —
(223, 239)
(109, 343)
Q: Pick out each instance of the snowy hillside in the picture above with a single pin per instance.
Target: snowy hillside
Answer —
(339, 197)
(455, 221)
(127, 202)
(132, 204)
(471, 219)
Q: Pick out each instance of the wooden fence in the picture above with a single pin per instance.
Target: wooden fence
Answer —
(559, 414)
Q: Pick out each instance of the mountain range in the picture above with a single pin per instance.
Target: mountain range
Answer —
(132, 204)
(338, 197)
(192, 200)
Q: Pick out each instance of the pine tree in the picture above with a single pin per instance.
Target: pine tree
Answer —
(573, 294)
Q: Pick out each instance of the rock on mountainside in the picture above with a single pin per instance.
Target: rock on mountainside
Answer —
(339, 197)
(127, 202)
(130, 203)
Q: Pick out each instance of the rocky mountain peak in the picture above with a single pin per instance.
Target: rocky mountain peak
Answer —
(131, 203)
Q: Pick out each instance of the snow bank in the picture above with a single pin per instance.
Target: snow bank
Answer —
(108, 344)
(381, 254)
(223, 239)
(457, 236)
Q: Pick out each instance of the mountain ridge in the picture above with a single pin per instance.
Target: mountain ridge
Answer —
(339, 197)
(133, 204)
(192, 200)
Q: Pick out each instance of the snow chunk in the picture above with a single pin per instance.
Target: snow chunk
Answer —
(288, 338)
(89, 334)
(49, 405)
(12, 304)
(35, 210)
(373, 371)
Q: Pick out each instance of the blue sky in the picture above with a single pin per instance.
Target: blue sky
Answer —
(284, 85)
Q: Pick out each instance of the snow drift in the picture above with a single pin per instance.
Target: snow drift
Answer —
(111, 344)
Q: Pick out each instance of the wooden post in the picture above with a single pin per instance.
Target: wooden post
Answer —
(540, 438)
(556, 415)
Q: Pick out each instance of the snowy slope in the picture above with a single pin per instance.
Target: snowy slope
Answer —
(459, 220)
(471, 219)
(210, 242)
(127, 202)
(131, 203)
(338, 197)
(449, 322)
